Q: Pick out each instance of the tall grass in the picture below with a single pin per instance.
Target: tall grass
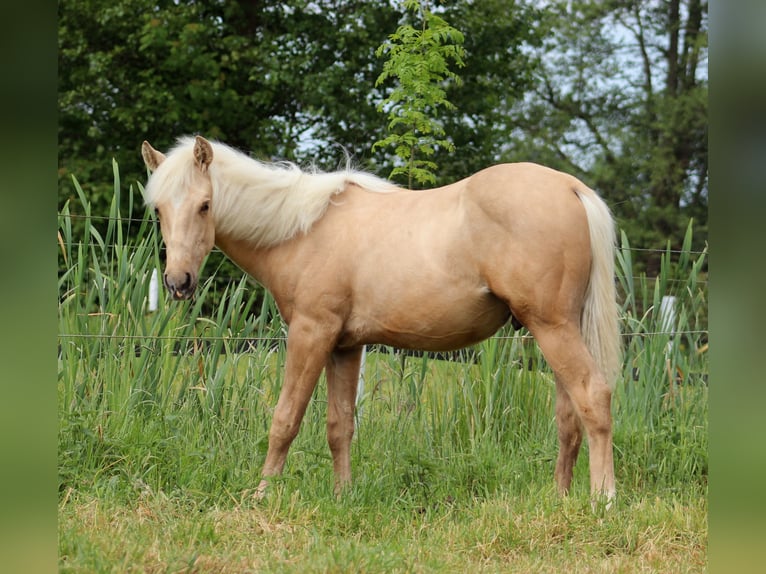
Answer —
(662, 404)
(178, 401)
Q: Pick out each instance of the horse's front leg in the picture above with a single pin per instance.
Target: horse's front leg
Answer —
(342, 380)
(308, 349)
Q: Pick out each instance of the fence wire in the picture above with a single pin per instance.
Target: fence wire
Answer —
(107, 219)
(702, 333)
(699, 332)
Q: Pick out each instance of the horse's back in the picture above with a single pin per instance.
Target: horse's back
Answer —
(441, 268)
(523, 189)
(523, 211)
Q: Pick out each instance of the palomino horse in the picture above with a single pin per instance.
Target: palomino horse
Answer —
(352, 259)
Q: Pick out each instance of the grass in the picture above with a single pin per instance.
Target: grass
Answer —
(163, 422)
(303, 532)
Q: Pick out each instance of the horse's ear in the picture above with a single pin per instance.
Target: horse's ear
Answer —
(203, 153)
(152, 158)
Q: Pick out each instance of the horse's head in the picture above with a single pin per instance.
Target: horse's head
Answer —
(181, 193)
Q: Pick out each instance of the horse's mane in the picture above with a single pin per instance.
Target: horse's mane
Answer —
(265, 203)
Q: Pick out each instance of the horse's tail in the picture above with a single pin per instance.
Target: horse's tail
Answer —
(600, 321)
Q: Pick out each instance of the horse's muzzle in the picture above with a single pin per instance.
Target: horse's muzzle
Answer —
(180, 286)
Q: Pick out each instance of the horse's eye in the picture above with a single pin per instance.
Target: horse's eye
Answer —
(205, 207)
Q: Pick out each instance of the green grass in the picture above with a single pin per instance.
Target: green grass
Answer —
(163, 424)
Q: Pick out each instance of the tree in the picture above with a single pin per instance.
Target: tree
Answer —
(419, 61)
(293, 80)
(500, 41)
(615, 92)
(263, 76)
(621, 101)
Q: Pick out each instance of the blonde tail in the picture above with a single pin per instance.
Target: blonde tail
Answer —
(600, 321)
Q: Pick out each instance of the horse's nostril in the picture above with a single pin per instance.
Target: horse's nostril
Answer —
(176, 284)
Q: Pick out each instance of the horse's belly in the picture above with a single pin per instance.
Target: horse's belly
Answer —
(433, 322)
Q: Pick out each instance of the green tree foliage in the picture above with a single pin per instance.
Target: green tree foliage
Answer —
(614, 92)
(419, 60)
(621, 101)
(263, 76)
(292, 80)
(500, 37)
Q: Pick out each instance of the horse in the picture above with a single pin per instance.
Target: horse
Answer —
(352, 259)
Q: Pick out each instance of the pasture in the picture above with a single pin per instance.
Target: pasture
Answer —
(164, 415)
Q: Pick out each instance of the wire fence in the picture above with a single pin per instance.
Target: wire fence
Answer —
(256, 339)
(107, 219)
(699, 334)
(224, 278)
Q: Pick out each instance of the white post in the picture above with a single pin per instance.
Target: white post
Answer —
(668, 325)
(360, 389)
(154, 291)
(668, 314)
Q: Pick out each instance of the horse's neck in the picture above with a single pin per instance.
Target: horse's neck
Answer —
(253, 260)
(262, 264)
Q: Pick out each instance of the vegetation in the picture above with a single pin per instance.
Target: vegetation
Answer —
(164, 414)
(621, 101)
(614, 92)
(163, 422)
(419, 59)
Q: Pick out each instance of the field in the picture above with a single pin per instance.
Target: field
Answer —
(164, 415)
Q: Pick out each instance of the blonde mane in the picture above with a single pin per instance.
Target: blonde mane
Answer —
(264, 203)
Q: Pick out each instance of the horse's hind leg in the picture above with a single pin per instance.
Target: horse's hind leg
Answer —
(342, 379)
(570, 438)
(578, 376)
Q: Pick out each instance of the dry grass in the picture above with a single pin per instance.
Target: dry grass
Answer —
(157, 534)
